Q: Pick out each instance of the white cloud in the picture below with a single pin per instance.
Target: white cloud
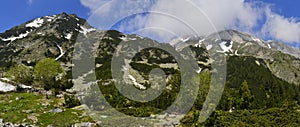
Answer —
(29, 2)
(113, 11)
(93, 4)
(204, 16)
(169, 19)
(281, 28)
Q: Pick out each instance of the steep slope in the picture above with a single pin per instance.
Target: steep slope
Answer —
(54, 36)
(281, 59)
(271, 69)
(48, 36)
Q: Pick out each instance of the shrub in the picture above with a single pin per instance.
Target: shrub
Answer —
(71, 101)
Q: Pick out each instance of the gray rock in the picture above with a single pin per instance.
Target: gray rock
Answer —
(27, 111)
(84, 124)
(59, 95)
(57, 110)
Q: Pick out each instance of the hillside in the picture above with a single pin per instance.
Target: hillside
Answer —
(45, 52)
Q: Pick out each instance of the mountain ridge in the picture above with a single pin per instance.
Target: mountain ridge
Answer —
(54, 36)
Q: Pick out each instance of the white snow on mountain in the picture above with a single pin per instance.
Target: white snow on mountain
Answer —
(199, 70)
(18, 37)
(127, 39)
(269, 46)
(235, 53)
(256, 39)
(61, 52)
(86, 30)
(257, 62)
(36, 23)
(140, 36)
(50, 18)
(136, 83)
(68, 36)
(209, 47)
(185, 40)
(124, 38)
(4, 87)
(199, 43)
(225, 46)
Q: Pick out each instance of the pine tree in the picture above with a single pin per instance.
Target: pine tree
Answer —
(245, 96)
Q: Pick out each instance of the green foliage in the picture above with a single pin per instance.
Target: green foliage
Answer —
(255, 118)
(46, 72)
(245, 97)
(267, 90)
(205, 79)
(191, 119)
(21, 73)
(11, 110)
(154, 56)
(71, 101)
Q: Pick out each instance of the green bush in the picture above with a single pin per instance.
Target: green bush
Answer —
(46, 71)
(71, 101)
(21, 74)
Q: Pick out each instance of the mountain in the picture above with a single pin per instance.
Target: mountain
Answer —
(48, 36)
(281, 59)
(270, 68)
(55, 37)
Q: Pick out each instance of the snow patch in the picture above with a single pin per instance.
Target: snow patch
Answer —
(235, 53)
(225, 47)
(209, 47)
(69, 35)
(50, 18)
(132, 39)
(185, 40)
(5, 79)
(86, 30)
(36, 23)
(136, 83)
(24, 86)
(18, 37)
(199, 70)
(61, 52)
(256, 39)
(257, 62)
(127, 39)
(199, 43)
(124, 38)
(4, 87)
(269, 46)
(140, 36)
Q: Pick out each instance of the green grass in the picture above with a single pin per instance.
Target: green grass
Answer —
(11, 110)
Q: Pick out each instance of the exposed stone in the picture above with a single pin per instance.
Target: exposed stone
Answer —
(60, 96)
(85, 124)
(57, 110)
(33, 118)
(81, 107)
(27, 111)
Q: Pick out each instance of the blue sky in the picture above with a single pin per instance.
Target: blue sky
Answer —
(283, 15)
(288, 8)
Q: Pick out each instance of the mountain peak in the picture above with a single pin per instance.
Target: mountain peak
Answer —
(58, 24)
